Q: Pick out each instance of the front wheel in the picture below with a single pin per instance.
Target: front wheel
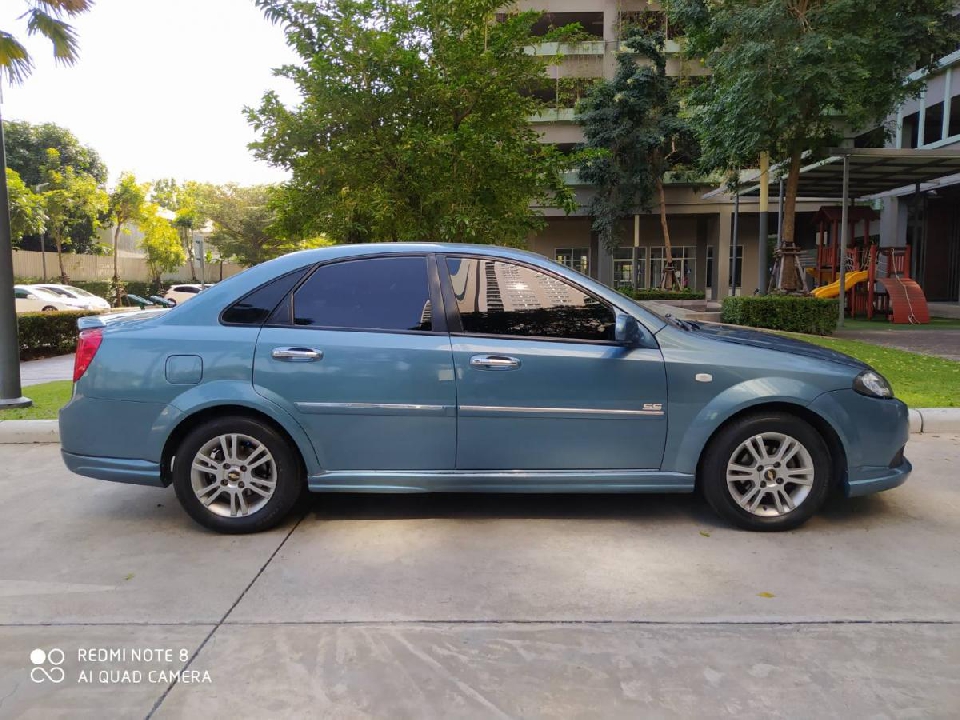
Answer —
(237, 475)
(49, 308)
(767, 472)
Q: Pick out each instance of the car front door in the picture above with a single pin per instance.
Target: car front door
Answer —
(365, 363)
(541, 383)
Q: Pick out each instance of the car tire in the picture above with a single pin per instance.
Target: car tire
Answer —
(745, 480)
(49, 308)
(217, 488)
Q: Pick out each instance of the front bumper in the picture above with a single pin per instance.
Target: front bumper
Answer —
(132, 472)
(867, 480)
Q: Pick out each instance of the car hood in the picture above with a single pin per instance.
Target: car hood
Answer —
(769, 341)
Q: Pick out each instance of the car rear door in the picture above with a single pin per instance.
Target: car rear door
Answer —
(365, 364)
(541, 383)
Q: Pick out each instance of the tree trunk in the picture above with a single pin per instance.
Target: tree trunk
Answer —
(63, 273)
(790, 278)
(669, 274)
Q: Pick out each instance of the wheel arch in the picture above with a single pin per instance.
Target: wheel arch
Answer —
(189, 422)
(838, 453)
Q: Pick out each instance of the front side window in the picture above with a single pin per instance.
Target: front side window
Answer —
(502, 298)
(388, 293)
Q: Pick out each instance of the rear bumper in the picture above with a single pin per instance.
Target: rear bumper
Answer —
(867, 480)
(132, 472)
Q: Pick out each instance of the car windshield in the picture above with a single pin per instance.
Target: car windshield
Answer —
(57, 291)
(80, 291)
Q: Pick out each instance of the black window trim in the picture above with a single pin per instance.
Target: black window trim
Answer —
(438, 314)
(306, 270)
(453, 309)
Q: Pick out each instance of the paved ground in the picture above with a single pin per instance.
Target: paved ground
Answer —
(34, 372)
(469, 606)
(945, 343)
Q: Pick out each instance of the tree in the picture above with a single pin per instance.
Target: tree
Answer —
(184, 201)
(27, 216)
(791, 75)
(27, 145)
(633, 123)
(44, 18)
(244, 223)
(161, 242)
(125, 205)
(70, 198)
(413, 123)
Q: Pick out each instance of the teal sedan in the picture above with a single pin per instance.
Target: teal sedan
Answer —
(451, 368)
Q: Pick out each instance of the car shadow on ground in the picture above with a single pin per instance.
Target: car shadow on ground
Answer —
(492, 506)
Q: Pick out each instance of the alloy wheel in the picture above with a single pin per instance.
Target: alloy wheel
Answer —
(233, 475)
(770, 474)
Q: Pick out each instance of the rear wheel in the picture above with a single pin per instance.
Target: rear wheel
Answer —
(237, 475)
(767, 472)
(49, 308)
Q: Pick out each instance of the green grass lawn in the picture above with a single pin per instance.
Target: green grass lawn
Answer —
(47, 398)
(918, 380)
(881, 323)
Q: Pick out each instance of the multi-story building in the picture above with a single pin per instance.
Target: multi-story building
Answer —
(703, 235)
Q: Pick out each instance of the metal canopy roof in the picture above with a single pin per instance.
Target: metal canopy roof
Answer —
(874, 171)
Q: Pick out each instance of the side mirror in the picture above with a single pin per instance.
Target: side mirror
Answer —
(627, 331)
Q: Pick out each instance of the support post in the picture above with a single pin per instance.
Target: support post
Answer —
(10, 390)
(733, 244)
(763, 277)
(844, 229)
(635, 254)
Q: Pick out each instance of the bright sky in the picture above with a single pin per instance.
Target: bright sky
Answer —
(160, 86)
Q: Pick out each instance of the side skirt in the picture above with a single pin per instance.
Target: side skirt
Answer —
(502, 481)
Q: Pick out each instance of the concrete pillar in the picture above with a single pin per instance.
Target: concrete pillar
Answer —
(722, 253)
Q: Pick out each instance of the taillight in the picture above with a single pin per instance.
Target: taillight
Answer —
(87, 347)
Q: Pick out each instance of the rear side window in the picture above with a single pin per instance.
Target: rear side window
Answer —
(389, 293)
(255, 307)
(503, 298)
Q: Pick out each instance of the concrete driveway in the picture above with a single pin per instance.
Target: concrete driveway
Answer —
(472, 606)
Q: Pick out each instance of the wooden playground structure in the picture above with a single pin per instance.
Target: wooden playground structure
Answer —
(877, 280)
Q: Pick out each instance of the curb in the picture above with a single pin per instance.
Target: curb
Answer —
(26, 432)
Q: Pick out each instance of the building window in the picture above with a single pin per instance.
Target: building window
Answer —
(684, 261)
(623, 268)
(575, 258)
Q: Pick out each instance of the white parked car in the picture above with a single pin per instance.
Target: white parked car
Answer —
(184, 291)
(82, 298)
(31, 299)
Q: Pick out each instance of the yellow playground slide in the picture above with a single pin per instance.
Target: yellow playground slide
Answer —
(833, 289)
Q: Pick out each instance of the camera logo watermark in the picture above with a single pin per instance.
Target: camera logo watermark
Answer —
(46, 665)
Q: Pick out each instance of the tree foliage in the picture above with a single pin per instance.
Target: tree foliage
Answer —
(633, 124)
(27, 215)
(27, 145)
(413, 123)
(794, 75)
(125, 205)
(185, 201)
(244, 222)
(161, 242)
(70, 199)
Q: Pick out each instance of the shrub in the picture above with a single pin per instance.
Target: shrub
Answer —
(48, 333)
(657, 294)
(810, 315)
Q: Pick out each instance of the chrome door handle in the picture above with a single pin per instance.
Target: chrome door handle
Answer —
(494, 362)
(297, 354)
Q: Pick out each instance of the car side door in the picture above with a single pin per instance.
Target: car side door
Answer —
(541, 382)
(358, 355)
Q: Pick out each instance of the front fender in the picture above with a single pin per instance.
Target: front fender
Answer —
(229, 392)
(689, 430)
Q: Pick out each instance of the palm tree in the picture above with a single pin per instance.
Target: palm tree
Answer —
(48, 19)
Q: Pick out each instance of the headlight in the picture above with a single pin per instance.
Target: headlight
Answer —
(872, 384)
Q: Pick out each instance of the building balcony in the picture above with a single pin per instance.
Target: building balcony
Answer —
(550, 49)
(549, 115)
(670, 47)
